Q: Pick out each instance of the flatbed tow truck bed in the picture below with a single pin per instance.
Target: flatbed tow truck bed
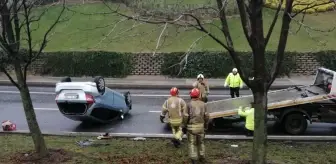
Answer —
(313, 102)
(276, 99)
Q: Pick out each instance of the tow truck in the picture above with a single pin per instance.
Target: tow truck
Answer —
(292, 108)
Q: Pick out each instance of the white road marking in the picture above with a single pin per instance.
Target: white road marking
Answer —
(154, 111)
(38, 93)
(55, 109)
(135, 95)
(49, 109)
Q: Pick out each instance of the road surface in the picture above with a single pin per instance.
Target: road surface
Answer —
(144, 117)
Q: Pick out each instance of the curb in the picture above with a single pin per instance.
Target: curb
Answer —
(141, 86)
(152, 135)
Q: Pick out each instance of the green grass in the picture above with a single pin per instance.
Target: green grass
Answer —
(161, 151)
(83, 33)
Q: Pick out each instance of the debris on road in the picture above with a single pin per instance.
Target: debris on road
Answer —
(104, 136)
(8, 126)
(90, 142)
(234, 145)
(139, 139)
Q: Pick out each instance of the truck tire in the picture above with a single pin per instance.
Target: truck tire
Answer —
(100, 83)
(295, 124)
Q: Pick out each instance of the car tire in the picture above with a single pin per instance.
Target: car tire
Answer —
(128, 99)
(66, 79)
(297, 118)
(100, 83)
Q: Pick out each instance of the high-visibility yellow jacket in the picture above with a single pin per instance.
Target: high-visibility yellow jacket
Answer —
(248, 113)
(234, 81)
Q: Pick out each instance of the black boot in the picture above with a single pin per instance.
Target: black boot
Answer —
(176, 143)
(202, 160)
(193, 161)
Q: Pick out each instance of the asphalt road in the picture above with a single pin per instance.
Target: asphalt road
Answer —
(144, 117)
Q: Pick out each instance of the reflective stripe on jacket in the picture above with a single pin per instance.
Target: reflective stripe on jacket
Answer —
(248, 113)
(234, 81)
(195, 116)
(174, 106)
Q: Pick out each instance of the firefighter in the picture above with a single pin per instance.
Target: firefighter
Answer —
(195, 118)
(248, 113)
(203, 87)
(174, 106)
(235, 83)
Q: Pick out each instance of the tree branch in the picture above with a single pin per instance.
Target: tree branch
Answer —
(270, 31)
(286, 20)
(309, 7)
(115, 25)
(186, 55)
(246, 24)
(44, 41)
(10, 78)
(29, 39)
(159, 39)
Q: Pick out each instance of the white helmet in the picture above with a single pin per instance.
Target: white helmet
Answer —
(234, 70)
(200, 76)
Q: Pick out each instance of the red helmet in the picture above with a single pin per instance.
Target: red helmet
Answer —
(174, 91)
(194, 93)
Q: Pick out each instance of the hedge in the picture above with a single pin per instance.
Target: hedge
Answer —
(100, 63)
(299, 5)
(218, 64)
(326, 59)
(117, 64)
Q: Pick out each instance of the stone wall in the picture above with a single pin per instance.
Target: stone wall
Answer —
(306, 64)
(147, 64)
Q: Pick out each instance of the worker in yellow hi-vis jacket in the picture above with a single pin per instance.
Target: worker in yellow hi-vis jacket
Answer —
(235, 83)
(175, 107)
(248, 113)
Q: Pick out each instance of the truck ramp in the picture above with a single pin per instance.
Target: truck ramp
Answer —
(276, 99)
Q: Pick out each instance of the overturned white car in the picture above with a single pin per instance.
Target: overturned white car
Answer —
(91, 101)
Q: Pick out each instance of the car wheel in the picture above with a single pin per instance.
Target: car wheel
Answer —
(128, 99)
(295, 124)
(66, 79)
(100, 83)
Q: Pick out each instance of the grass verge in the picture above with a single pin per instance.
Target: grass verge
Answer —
(16, 148)
(111, 33)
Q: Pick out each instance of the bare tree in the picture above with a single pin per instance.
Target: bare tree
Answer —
(17, 50)
(251, 15)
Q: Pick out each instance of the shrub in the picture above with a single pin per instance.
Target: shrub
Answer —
(326, 59)
(217, 64)
(301, 4)
(110, 64)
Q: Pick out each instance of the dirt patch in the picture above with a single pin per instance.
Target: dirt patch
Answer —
(139, 159)
(237, 161)
(55, 156)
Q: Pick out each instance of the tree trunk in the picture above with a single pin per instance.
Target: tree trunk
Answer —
(40, 146)
(260, 130)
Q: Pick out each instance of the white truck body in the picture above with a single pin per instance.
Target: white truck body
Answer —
(279, 98)
(314, 101)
